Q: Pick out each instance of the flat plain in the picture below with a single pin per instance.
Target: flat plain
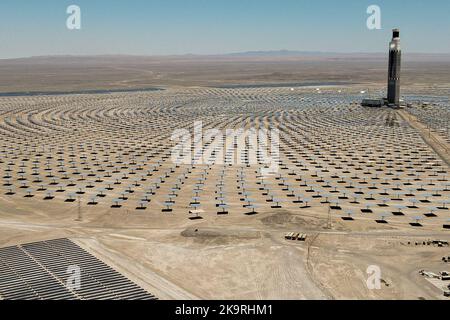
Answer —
(368, 187)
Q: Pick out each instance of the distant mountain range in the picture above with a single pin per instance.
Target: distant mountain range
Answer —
(244, 55)
(293, 53)
(279, 53)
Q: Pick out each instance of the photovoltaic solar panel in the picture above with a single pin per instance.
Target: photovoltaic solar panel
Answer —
(39, 271)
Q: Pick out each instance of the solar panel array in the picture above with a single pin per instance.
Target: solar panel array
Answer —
(40, 271)
(116, 151)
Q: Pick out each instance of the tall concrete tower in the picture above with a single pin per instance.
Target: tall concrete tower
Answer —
(395, 59)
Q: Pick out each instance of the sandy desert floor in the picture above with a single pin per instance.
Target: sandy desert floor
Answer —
(366, 186)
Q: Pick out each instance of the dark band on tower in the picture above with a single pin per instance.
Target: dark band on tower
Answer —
(395, 57)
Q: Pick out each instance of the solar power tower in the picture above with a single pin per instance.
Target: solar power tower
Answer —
(395, 57)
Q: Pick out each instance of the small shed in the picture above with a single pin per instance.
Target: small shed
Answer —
(373, 103)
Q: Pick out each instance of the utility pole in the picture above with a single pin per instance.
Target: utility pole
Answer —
(329, 226)
(80, 217)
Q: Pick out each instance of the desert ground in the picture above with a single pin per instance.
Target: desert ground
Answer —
(368, 187)
(68, 73)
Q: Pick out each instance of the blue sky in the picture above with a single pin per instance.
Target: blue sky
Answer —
(154, 27)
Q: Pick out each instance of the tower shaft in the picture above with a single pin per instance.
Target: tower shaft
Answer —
(395, 57)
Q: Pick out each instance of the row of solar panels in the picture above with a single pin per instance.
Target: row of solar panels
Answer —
(46, 271)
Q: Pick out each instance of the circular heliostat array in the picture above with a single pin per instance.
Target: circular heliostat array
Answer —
(116, 151)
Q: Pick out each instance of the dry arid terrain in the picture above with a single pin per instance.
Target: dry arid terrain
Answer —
(66, 73)
(368, 187)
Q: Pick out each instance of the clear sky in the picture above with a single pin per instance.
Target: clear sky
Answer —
(160, 27)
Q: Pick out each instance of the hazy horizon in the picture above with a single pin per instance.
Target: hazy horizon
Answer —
(254, 53)
(199, 27)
